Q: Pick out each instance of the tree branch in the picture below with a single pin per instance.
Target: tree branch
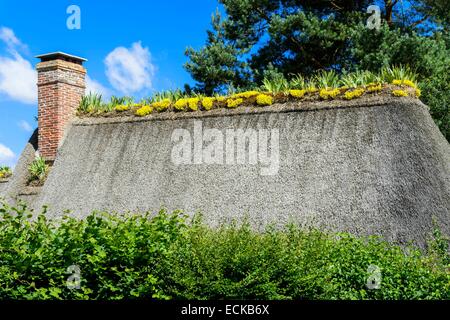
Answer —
(336, 6)
(415, 24)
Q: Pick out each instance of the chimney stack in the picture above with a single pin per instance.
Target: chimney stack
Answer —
(61, 84)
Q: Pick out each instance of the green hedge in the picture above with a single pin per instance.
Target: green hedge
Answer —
(166, 256)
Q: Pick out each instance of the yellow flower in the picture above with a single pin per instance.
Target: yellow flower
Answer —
(161, 105)
(181, 104)
(120, 108)
(193, 103)
(221, 98)
(144, 110)
(233, 103)
(399, 93)
(326, 94)
(207, 103)
(353, 94)
(246, 94)
(312, 90)
(374, 87)
(409, 83)
(418, 92)
(264, 100)
(297, 93)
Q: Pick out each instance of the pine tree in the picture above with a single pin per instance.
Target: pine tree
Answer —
(303, 36)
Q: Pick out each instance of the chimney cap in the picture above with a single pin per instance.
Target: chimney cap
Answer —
(61, 56)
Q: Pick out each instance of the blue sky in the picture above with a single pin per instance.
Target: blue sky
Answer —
(150, 36)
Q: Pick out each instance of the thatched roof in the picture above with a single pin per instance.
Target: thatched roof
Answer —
(376, 165)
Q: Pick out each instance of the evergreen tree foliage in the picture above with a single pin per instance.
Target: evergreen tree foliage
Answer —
(305, 36)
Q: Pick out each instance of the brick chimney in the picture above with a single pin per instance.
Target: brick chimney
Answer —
(61, 84)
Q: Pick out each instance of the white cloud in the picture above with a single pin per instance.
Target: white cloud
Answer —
(96, 87)
(24, 125)
(18, 79)
(130, 70)
(7, 156)
(17, 75)
(9, 38)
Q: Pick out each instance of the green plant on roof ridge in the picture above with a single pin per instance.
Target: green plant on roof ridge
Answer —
(358, 79)
(5, 172)
(326, 79)
(38, 169)
(390, 73)
(324, 84)
(171, 95)
(116, 101)
(298, 82)
(90, 102)
(274, 81)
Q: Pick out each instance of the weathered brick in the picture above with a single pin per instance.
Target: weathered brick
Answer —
(61, 84)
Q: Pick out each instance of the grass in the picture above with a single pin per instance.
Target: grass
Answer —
(324, 85)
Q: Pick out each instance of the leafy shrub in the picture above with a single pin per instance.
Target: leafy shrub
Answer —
(166, 256)
(5, 172)
(38, 170)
